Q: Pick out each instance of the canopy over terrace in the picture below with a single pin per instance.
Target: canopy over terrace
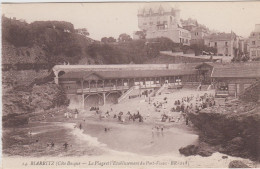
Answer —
(237, 71)
(73, 82)
(61, 69)
(126, 74)
(105, 82)
(234, 79)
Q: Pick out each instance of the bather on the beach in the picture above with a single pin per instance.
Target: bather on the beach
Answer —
(65, 145)
(52, 144)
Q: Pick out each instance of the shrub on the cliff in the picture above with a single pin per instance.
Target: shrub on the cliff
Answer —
(47, 96)
(15, 120)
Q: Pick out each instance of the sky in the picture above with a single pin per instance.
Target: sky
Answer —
(112, 19)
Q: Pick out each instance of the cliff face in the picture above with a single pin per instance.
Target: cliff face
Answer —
(235, 128)
(18, 104)
(252, 93)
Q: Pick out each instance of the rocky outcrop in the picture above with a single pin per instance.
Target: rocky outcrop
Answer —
(202, 149)
(189, 150)
(251, 93)
(237, 164)
(47, 96)
(234, 128)
(17, 105)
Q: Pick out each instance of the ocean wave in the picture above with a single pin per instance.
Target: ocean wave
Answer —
(92, 141)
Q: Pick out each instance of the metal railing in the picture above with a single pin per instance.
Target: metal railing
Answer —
(221, 92)
(125, 94)
(253, 85)
(103, 89)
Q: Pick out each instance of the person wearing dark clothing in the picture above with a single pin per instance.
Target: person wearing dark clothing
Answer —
(52, 144)
(65, 145)
(80, 126)
(187, 121)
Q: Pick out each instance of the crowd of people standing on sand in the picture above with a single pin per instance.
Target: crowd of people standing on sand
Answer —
(187, 105)
(69, 114)
(121, 116)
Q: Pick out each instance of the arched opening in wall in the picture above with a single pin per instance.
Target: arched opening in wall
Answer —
(112, 98)
(61, 73)
(93, 100)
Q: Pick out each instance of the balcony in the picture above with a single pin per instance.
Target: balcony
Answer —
(104, 89)
(222, 93)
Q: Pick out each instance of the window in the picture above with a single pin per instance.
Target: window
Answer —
(226, 43)
(226, 51)
(68, 87)
(151, 23)
(253, 53)
(253, 42)
(216, 44)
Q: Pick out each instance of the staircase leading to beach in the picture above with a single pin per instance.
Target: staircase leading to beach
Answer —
(152, 94)
(203, 87)
(251, 93)
(126, 94)
(161, 89)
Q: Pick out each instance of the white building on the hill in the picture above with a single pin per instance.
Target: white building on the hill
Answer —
(162, 20)
(254, 42)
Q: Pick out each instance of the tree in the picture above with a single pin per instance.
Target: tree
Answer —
(108, 40)
(124, 37)
(200, 48)
(16, 32)
(104, 39)
(141, 34)
(82, 31)
(111, 39)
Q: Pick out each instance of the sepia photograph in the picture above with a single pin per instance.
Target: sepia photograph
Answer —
(130, 84)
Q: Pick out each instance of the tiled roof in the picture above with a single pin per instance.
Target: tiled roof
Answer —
(220, 36)
(241, 70)
(156, 7)
(128, 73)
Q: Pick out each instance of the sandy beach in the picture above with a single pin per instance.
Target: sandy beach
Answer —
(95, 135)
